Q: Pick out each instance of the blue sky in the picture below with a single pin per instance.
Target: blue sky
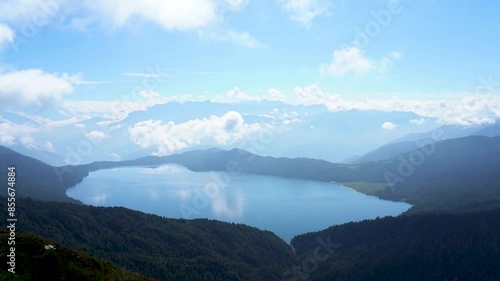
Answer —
(200, 49)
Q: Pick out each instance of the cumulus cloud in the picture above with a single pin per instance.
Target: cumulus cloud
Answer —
(96, 135)
(185, 15)
(6, 35)
(420, 121)
(389, 126)
(181, 15)
(171, 137)
(353, 59)
(275, 95)
(243, 39)
(11, 133)
(32, 87)
(236, 95)
(304, 11)
(346, 60)
(313, 95)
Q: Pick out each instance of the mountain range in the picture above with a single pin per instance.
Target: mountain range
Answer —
(451, 183)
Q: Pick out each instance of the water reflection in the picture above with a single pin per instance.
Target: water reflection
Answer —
(99, 199)
(285, 206)
(231, 207)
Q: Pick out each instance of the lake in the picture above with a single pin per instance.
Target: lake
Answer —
(284, 206)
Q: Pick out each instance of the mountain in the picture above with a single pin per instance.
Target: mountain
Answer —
(413, 248)
(38, 180)
(444, 133)
(450, 174)
(416, 140)
(35, 263)
(351, 159)
(387, 151)
(490, 131)
(45, 156)
(335, 136)
(160, 248)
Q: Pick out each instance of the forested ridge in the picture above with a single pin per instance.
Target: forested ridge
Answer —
(434, 246)
(36, 263)
(157, 247)
(437, 246)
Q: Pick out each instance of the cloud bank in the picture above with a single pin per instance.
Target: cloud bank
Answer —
(171, 137)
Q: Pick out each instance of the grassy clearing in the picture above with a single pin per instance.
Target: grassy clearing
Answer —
(369, 188)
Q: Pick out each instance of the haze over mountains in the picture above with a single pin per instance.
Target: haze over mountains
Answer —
(266, 128)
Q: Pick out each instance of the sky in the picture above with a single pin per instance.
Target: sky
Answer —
(437, 58)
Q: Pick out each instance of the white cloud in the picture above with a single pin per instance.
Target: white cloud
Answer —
(77, 79)
(353, 59)
(388, 126)
(275, 95)
(28, 142)
(237, 95)
(48, 123)
(49, 146)
(420, 121)
(149, 95)
(346, 60)
(185, 15)
(171, 137)
(304, 11)
(230, 36)
(116, 157)
(389, 59)
(312, 95)
(114, 111)
(181, 15)
(36, 12)
(235, 4)
(32, 87)
(11, 133)
(468, 111)
(96, 135)
(6, 34)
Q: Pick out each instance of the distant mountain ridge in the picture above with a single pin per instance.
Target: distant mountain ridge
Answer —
(38, 180)
(415, 141)
(455, 167)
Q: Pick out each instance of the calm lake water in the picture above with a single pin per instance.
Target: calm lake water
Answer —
(284, 206)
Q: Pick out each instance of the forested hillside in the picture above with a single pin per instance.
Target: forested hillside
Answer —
(409, 247)
(160, 248)
(35, 263)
